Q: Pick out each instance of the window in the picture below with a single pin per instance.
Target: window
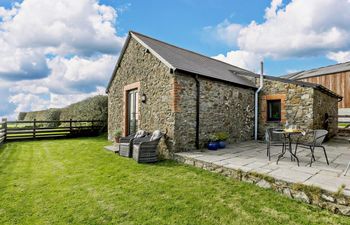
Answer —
(274, 110)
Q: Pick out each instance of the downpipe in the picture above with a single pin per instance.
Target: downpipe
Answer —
(256, 118)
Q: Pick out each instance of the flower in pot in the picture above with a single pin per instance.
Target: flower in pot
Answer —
(117, 135)
(222, 137)
(213, 142)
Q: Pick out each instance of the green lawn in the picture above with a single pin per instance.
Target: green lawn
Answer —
(342, 125)
(76, 181)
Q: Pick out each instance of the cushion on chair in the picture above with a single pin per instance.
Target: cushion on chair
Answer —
(140, 133)
(156, 134)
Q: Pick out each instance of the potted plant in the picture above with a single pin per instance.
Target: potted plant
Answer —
(213, 142)
(222, 137)
(117, 135)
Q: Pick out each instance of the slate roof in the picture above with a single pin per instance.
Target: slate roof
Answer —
(341, 67)
(304, 84)
(177, 58)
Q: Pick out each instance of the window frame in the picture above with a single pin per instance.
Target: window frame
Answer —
(268, 104)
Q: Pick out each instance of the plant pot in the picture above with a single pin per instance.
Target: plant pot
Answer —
(117, 139)
(222, 144)
(213, 145)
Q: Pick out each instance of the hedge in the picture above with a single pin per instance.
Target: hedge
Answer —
(93, 108)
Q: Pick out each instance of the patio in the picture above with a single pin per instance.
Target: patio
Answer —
(251, 156)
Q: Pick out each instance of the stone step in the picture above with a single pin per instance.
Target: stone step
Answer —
(341, 139)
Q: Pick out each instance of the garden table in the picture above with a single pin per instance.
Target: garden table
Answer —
(287, 133)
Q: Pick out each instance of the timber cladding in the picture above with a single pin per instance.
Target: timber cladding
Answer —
(337, 82)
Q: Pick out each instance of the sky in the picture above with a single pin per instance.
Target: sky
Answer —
(54, 53)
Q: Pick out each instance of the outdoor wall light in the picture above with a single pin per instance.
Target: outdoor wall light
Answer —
(143, 98)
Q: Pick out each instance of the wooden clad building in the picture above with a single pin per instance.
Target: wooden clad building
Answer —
(335, 77)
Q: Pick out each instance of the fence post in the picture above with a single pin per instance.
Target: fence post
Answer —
(4, 126)
(70, 126)
(34, 126)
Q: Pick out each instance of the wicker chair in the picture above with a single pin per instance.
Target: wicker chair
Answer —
(145, 149)
(126, 143)
(273, 139)
(316, 142)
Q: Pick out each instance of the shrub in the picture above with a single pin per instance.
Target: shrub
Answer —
(117, 133)
(21, 115)
(49, 114)
(222, 136)
(93, 108)
(213, 137)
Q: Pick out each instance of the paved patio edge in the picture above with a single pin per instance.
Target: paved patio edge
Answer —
(335, 202)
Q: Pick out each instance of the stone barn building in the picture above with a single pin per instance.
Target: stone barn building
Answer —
(334, 77)
(156, 85)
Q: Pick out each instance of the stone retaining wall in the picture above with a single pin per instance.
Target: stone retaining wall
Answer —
(334, 202)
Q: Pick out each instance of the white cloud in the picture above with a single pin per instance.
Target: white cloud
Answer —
(243, 59)
(28, 102)
(82, 69)
(62, 100)
(70, 81)
(299, 29)
(271, 12)
(21, 63)
(340, 56)
(62, 27)
(54, 53)
(70, 76)
(31, 102)
(225, 32)
(29, 87)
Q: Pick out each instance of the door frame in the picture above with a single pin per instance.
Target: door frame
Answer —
(127, 88)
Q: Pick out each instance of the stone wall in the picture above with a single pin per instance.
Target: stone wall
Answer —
(297, 104)
(139, 65)
(334, 202)
(323, 104)
(223, 107)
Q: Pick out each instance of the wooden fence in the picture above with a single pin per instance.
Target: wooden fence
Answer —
(344, 125)
(345, 120)
(19, 130)
(2, 131)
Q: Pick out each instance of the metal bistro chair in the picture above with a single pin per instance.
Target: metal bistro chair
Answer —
(273, 139)
(145, 149)
(126, 143)
(316, 142)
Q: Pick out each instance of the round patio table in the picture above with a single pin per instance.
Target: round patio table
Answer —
(287, 136)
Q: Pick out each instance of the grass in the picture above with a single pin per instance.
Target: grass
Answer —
(343, 125)
(75, 181)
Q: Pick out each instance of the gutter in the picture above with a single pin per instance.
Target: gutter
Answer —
(256, 118)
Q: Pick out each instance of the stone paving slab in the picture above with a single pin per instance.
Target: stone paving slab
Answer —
(212, 158)
(328, 182)
(251, 156)
(112, 148)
